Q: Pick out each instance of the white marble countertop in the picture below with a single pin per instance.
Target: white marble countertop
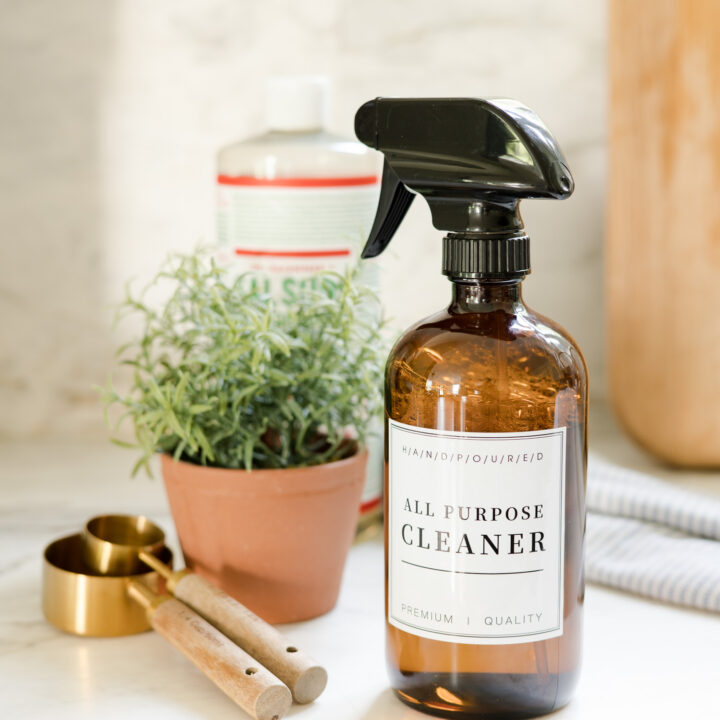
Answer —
(642, 659)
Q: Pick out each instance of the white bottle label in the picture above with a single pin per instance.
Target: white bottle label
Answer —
(476, 534)
(279, 233)
(371, 498)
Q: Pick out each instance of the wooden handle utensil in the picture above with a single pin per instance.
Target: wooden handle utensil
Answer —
(305, 678)
(241, 677)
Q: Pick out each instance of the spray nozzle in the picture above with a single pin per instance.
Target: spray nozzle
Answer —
(472, 159)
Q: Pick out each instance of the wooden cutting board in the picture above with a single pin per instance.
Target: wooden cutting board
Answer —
(663, 241)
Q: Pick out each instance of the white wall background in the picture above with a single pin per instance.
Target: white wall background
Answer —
(111, 112)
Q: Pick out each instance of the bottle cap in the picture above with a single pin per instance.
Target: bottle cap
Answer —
(468, 257)
(297, 102)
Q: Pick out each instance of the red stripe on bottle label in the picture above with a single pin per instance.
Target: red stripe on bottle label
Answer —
(292, 253)
(307, 182)
(370, 504)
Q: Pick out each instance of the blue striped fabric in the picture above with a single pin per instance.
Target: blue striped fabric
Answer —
(650, 538)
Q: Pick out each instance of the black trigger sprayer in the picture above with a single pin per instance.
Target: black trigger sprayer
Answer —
(472, 160)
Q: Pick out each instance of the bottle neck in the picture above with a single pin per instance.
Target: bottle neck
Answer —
(486, 295)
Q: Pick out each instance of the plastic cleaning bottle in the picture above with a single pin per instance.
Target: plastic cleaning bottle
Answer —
(295, 201)
(486, 424)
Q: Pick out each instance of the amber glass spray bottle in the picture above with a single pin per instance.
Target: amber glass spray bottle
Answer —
(486, 425)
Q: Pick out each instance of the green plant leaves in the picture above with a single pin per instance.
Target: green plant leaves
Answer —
(232, 378)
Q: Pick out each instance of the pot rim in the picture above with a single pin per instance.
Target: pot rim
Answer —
(339, 464)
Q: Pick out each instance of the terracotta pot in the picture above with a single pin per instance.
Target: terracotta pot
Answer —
(276, 540)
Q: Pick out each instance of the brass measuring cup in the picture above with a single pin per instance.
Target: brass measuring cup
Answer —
(112, 543)
(126, 541)
(78, 599)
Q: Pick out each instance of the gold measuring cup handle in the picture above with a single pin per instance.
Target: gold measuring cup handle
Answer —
(241, 677)
(305, 678)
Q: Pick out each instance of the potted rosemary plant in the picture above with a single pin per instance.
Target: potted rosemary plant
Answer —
(260, 412)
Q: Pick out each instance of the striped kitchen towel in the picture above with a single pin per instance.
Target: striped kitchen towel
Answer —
(651, 538)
